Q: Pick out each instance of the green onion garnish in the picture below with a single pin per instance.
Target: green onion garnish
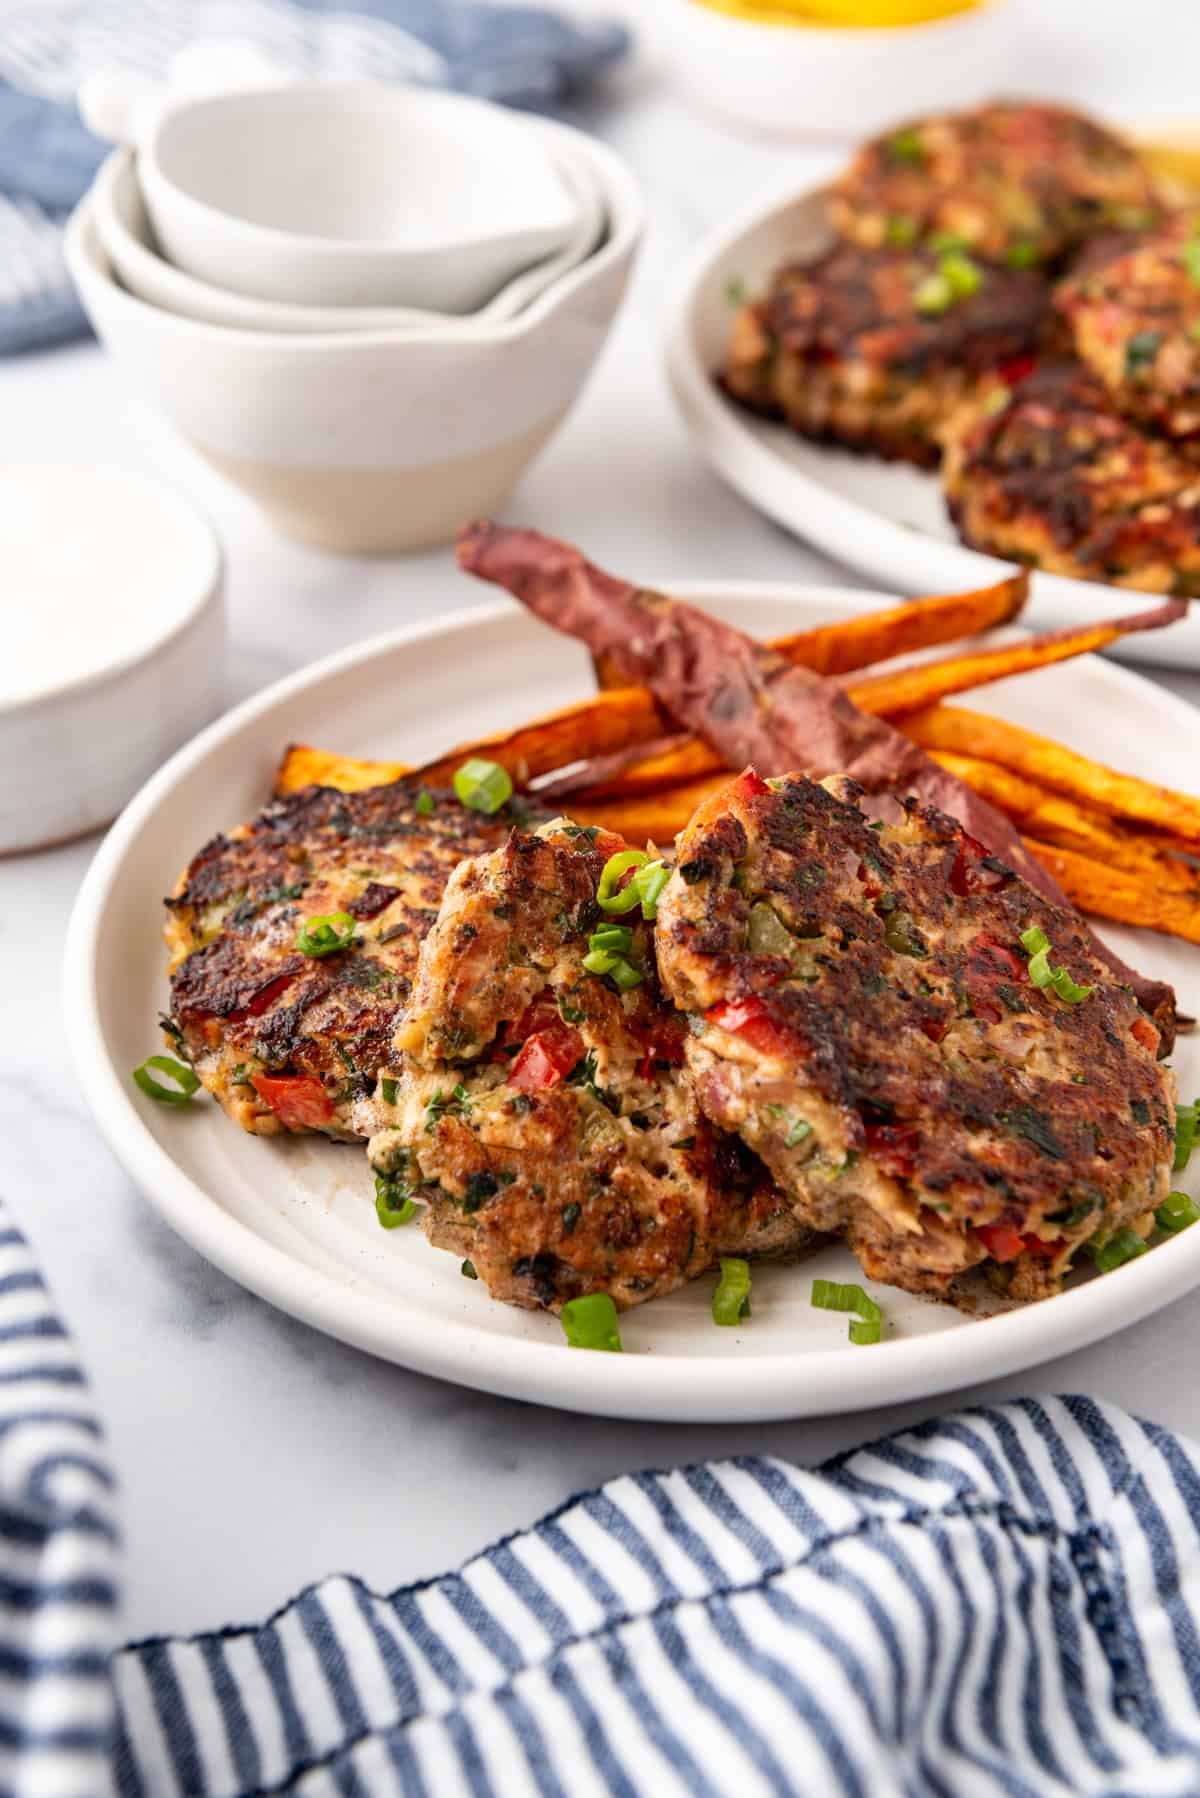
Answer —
(1043, 974)
(731, 1300)
(650, 882)
(1141, 350)
(425, 802)
(934, 294)
(964, 276)
(185, 1080)
(835, 1295)
(798, 1133)
(483, 786)
(590, 1322)
(388, 1088)
(326, 935)
(393, 1206)
(900, 230)
(906, 146)
(608, 948)
(1117, 1249)
(607, 896)
(467, 1270)
(1187, 1117)
(1177, 1212)
(1022, 255)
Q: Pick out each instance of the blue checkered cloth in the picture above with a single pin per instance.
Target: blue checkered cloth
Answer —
(1004, 1601)
(523, 55)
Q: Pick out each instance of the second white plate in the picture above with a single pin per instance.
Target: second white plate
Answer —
(886, 519)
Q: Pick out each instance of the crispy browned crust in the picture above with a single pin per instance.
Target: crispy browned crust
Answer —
(943, 1089)
(1048, 473)
(1013, 178)
(244, 1001)
(840, 349)
(608, 1180)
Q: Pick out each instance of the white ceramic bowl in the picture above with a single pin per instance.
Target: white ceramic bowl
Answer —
(353, 194)
(374, 441)
(127, 238)
(115, 647)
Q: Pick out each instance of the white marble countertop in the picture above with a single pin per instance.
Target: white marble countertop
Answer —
(255, 1455)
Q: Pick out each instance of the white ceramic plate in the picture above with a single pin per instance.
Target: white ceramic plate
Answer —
(884, 518)
(294, 1220)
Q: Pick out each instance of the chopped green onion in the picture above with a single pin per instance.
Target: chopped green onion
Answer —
(388, 1088)
(1022, 255)
(599, 961)
(902, 935)
(483, 786)
(607, 896)
(906, 146)
(607, 950)
(1043, 974)
(1186, 1119)
(393, 1206)
(767, 934)
(798, 1133)
(900, 230)
(626, 976)
(1116, 1250)
(946, 243)
(326, 935)
(615, 939)
(964, 276)
(731, 1300)
(835, 1295)
(425, 803)
(467, 1270)
(590, 1322)
(1141, 350)
(934, 294)
(185, 1080)
(1177, 1212)
(650, 882)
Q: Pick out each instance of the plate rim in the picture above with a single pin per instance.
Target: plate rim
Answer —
(776, 488)
(645, 1384)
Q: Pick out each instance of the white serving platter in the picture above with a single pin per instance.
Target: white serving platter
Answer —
(294, 1220)
(885, 519)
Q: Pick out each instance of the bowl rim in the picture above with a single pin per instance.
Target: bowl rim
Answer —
(118, 171)
(626, 215)
(350, 97)
(206, 590)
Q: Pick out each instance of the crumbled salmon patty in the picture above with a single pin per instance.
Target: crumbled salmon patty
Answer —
(545, 1116)
(862, 1012)
(1017, 183)
(874, 349)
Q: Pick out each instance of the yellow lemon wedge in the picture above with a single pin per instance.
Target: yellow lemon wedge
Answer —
(860, 15)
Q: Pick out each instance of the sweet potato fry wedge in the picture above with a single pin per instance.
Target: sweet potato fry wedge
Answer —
(909, 689)
(596, 726)
(1109, 892)
(654, 816)
(1040, 759)
(897, 630)
(304, 766)
(1068, 825)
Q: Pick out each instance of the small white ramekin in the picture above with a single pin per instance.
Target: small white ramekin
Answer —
(76, 747)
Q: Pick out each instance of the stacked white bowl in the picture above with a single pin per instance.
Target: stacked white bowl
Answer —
(368, 306)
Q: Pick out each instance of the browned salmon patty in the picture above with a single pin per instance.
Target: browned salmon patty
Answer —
(543, 1114)
(862, 1012)
(1017, 183)
(286, 1040)
(1048, 474)
(875, 349)
(1135, 323)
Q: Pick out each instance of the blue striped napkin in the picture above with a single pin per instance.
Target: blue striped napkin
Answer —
(525, 55)
(1006, 1601)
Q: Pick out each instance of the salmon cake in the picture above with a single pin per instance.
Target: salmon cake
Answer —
(293, 941)
(1017, 183)
(1135, 323)
(926, 1054)
(1045, 472)
(874, 350)
(539, 1103)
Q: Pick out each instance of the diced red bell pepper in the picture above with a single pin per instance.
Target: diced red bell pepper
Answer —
(1001, 1241)
(298, 1100)
(935, 1028)
(546, 1058)
(750, 785)
(968, 875)
(266, 995)
(750, 1018)
(541, 1013)
(995, 960)
(1144, 1032)
(894, 1147)
(1016, 369)
(1043, 1248)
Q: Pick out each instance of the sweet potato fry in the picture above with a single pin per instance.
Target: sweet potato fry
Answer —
(653, 816)
(909, 689)
(1124, 796)
(1109, 892)
(1068, 825)
(303, 766)
(596, 726)
(897, 630)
